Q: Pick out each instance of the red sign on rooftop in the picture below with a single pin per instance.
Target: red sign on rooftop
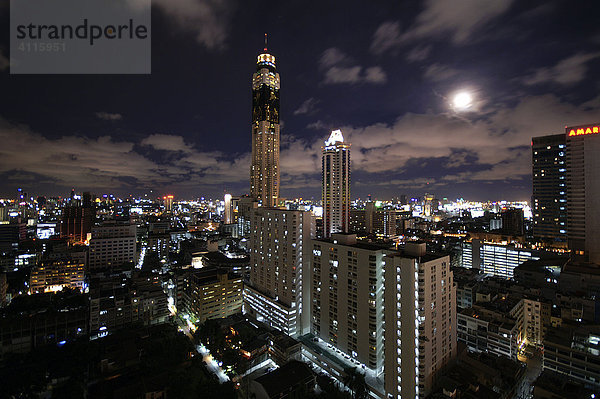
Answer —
(583, 130)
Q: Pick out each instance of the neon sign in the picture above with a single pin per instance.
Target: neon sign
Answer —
(581, 131)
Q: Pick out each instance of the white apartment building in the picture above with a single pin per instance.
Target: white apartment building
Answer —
(420, 320)
(347, 297)
(278, 294)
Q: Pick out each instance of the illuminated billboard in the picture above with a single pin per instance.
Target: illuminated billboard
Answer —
(582, 130)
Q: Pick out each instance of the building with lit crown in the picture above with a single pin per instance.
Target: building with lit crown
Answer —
(264, 170)
(336, 184)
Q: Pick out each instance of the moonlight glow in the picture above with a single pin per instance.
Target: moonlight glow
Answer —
(462, 101)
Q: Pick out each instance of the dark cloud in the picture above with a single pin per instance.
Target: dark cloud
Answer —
(458, 20)
(109, 163)
(107, 116)
(439, 72)
(418, 54)
(568, 71)
(498, 145)
(309, 106)
(208, 20)
(186, 127)
(340, 69)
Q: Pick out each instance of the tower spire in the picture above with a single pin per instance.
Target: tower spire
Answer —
(265, 43)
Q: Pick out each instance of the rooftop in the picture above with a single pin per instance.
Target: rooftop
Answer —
(285, 378)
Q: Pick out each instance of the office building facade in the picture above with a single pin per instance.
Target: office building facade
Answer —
(574, 351)
(495, 259)
(549, 200)
(77, 218)
(54, 275)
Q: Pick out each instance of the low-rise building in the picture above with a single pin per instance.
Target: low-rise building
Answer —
(31, 321)
(292, 380)
(54, 275)
(117, 301)
(212, 293)
(486, 330)
(551, 385)
(574, 350)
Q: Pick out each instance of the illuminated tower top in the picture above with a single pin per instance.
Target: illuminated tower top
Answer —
(266, 60)
(335, 137)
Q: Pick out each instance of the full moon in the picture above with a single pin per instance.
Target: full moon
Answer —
(462, 101)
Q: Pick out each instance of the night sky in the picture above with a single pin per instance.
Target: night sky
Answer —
(385, 73)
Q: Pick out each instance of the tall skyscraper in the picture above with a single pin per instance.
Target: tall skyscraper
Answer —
(264, 172)
(549, 201)
(583, 191)
(336, 184)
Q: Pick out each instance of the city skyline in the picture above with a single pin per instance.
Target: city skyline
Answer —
(387, 82)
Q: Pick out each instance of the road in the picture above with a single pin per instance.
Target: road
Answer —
(534, 368)
(211, 364)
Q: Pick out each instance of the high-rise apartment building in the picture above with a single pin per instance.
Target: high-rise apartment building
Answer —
(392, 311)
(549, 201)
(429, 205)
(112, 244)
(420, 320)
(336, 184)
(583, 191)
(347, 294)
(264, 171)
(278, 290)
(11, 234)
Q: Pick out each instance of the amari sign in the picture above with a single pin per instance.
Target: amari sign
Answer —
(583, 130)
